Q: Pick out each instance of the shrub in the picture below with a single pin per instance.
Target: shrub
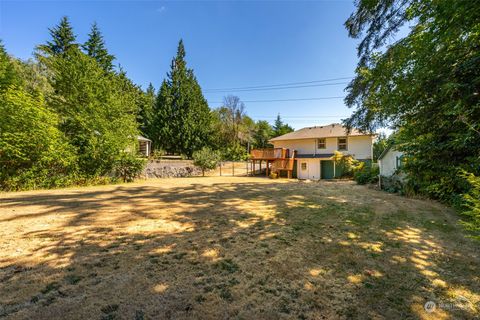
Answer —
(128, 167)
(206, 159)
(158, 153)
(393, 184)
(470, 204)
(236, 153)
(366, 174)
(346, 164)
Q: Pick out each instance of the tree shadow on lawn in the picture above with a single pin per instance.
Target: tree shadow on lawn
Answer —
(232, 250)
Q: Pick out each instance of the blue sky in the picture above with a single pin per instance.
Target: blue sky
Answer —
(228, 44)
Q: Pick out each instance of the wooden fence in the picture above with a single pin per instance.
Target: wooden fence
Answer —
(235, 168)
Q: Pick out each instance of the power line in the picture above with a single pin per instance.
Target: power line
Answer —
(279, 88)
(281, 100)
(278, 85)
(301, 118)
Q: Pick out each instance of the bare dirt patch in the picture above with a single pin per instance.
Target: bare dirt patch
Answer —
(232, 247)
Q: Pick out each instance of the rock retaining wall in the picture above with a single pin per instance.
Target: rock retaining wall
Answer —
(171, 169)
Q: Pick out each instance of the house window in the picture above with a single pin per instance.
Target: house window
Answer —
(342, 144)
(321, 143)
(304, 166)
(399, 163)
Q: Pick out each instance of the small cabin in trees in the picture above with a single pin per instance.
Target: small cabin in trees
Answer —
(144, 146)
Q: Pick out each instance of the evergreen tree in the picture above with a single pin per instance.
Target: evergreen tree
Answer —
(8, 75)
(162, 131)
(97, 110)
(277, 127)
(63, 118)
(95, 47)
(145, 116)
(182, 115)
(280, 128)
(63, 39)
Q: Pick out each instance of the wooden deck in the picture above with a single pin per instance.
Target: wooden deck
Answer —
(269, 154)
(276, 159)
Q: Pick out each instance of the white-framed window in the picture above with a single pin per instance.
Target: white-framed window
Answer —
(342, 143)
(304, 166)
(321, 143)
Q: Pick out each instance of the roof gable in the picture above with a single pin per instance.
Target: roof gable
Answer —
(391, 147)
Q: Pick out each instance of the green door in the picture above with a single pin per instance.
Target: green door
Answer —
(326, 167)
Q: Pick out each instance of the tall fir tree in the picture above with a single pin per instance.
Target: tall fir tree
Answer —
(95, 47)
(280, 128)
(146, 112)
(182, 115)
(162, 119)
(63, 39)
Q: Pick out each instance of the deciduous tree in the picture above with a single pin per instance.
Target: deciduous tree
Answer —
(263, 133)
(426, 83)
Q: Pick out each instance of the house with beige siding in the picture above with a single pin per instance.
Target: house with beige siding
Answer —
(312, 149)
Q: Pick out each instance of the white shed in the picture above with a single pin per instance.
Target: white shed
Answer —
(390, 161)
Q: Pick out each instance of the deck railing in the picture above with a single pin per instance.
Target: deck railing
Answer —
(282, 164)
(270, 153)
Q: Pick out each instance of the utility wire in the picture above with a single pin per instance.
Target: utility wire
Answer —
(278, 85)
(280, 100)
(301, 118)
(279, 88)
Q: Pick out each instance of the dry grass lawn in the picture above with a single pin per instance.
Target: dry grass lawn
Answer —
(231, 247)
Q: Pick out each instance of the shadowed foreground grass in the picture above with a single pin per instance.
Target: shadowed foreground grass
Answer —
(242, 248)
